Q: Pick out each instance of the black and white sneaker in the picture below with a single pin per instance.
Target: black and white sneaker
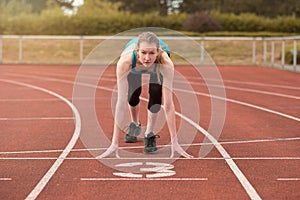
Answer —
(133, 132)
(150, 143)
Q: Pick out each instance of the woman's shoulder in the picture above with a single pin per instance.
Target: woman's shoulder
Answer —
(125, 60)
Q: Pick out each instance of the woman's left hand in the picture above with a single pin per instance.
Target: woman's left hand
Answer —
(177, 148)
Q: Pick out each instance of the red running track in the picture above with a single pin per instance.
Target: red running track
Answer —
(42, 155)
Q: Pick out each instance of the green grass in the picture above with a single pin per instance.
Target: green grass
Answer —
(61, 51)
(240, 34)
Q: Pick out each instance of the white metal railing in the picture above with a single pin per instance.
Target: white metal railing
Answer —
(202, 40)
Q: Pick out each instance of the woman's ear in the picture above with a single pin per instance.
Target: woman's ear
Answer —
(136, 52)
(159, 52)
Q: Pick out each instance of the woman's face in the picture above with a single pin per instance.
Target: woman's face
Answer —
(147, 53)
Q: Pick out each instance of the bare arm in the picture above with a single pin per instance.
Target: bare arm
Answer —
(167, 71)
(123, 66)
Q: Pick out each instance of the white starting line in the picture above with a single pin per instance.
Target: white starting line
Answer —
(35, 118)
(5, 179)
(288, 179)
(147, 158)
(144, 179)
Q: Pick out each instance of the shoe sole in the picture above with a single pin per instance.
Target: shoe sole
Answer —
(151, 152)
(130, 139)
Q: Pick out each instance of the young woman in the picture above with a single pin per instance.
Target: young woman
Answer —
(145, 54)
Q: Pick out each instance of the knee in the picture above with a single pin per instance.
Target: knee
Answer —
(154, 108)
(134, 97)
(155, 99)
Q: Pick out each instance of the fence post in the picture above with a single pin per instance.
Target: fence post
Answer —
(81, 50)
(282, 53)
(202, 51)
(272, 53)
(20, 49)
(254, 51)
(265, 51)
(0, 49)
(295, 55)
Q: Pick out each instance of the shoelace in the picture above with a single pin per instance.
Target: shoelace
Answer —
(151, 140)
(130, 126)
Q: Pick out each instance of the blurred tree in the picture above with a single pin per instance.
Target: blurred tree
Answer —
(268, 8)
(69, 7)
(91, 6)
(138, 6)
(15, 7)
(192, 6)
(69, 4)
(163, 7)
(201, 22)
(37, 5)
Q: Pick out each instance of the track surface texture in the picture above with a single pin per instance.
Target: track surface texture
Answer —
(42, 156)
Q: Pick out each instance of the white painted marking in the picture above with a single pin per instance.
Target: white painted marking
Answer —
(147, 158)
(260, 140)
(29, 100)
(249, 83)
(43, 182)
(241, 177)
(128, 175)
(41, 100)
(141, 147)
(112, 77)
(161, 174)
(144, 179)
(132, 164)
(35, 118)
(247, 90)
(193, 92)
(238, 173)
(244, 104)
(288, 179)
(160, 169)
(5, 179)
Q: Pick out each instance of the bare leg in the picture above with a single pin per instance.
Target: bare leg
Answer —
(134, 113)
(151, 121)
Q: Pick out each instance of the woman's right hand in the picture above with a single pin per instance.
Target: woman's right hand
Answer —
(113, 148)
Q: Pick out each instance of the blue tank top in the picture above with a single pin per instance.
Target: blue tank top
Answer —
(163, 46)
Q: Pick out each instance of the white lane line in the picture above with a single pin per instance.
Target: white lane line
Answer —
(259, 141)
(247, 90)
(241, 177)
(110, 76)
(43, 182)
(249, 83)
(234, 168)
(244, 104)
(288, 179)
(147, 158)
(34, 118)
(5, 179)
(41, 99)
(29, 100)
(163, 146)
(193, 92)
(143, 179)
(196, 83)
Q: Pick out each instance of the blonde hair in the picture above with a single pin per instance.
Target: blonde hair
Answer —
(152, 38)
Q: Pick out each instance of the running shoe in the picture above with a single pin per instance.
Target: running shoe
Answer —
(133, 132)
(150, 143)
